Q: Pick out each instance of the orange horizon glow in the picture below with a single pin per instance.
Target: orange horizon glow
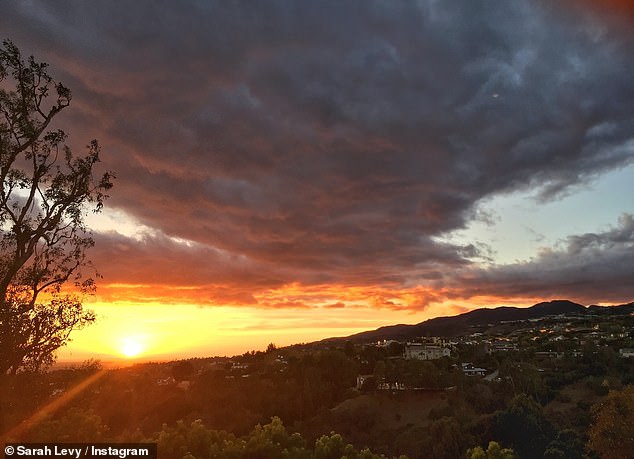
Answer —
(165, 328)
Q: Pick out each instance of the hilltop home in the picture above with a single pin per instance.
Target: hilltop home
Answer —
(425, 351)
(499, 346)
(469, 369)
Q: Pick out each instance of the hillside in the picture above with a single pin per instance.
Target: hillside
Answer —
(457, 325)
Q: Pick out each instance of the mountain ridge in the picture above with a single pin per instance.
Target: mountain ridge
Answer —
(450, 326)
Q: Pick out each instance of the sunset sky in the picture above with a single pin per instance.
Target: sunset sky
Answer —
(293, 170)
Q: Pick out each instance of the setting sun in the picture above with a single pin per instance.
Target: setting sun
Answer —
(131, 347)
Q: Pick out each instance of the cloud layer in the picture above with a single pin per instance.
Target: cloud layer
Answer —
(591, 267)
(327, 143)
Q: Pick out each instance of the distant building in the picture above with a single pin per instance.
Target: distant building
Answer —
(425, 351)
(390, 386)
(500, 346)
(549, 354)
(469, 369)
(437, 340)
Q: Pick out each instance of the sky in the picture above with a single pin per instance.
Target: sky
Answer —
(291, 170)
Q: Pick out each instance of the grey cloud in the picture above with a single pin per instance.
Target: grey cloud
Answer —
(333, 140)
(590, 267)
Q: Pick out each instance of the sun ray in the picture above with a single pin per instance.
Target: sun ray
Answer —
(18, 432)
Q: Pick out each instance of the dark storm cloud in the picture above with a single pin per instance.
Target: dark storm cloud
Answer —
(330, 141)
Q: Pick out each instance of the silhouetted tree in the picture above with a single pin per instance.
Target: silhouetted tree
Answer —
(45, 192)
(348, 348)
(523, 426)
(75, 425)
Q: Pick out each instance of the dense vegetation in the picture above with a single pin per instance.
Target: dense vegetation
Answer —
(547, 399)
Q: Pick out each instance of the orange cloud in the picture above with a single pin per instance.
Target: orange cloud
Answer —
(291, 296)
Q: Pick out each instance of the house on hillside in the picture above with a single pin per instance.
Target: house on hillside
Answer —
(469, 369)
(425, 351)
(437, 341)
(499, 346)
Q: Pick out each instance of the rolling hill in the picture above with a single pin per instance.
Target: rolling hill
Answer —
(460, 324)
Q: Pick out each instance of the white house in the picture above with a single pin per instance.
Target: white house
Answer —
(470, 369)
(425, 351)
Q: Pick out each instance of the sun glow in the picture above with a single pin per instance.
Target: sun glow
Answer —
(165, 332)
(131, 347)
